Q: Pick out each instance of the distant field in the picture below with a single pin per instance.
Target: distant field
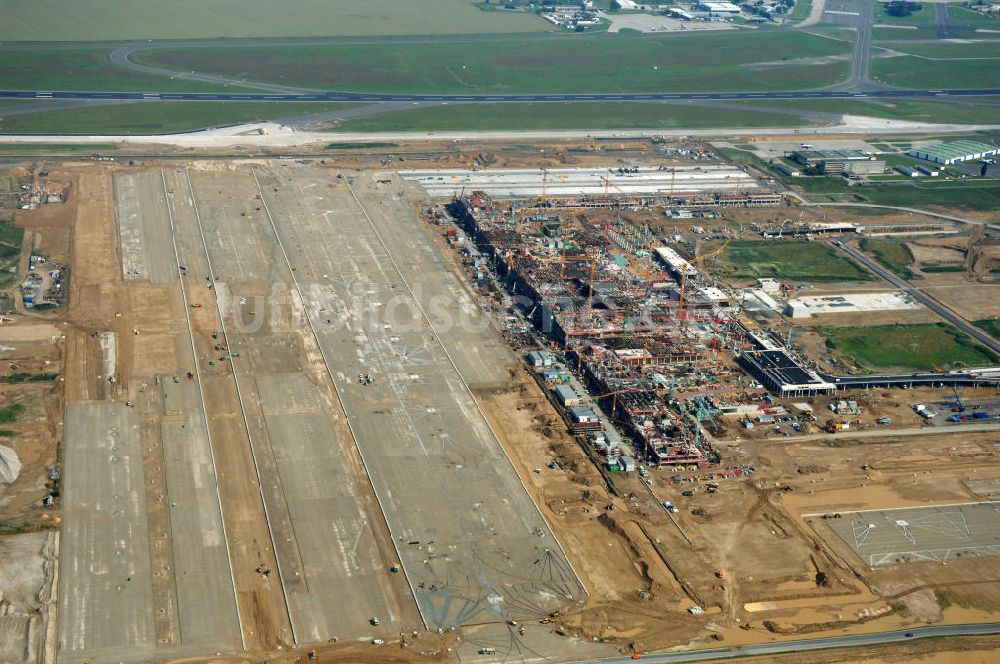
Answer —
(973, 194)
(56, 149)
(105, 20)
(600, 63)
(153, 117)
(907, 347)
(964, 111)
(950, 50)
(894, 255)
(810, 262)
(913, 71)
(580, 115)
(84, 69)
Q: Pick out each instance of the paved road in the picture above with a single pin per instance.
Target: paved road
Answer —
(359, 96)
(884, 434)
(929, 302)
(939, 215)
(855, 640)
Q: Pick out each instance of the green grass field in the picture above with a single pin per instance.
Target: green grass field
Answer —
(972, 194)
(623, 115)
(950, 50)
(894, 255)
(923, 16)
(105, 20)
(20, 150)
(85, 69)
(888, 32)
(967, 110)
(972, 18)
(810, 262)
(10, 413)
(918, 72)
(154, 117)
(932, 269)
(991, 325)
(800, 11)
(11, 239)
(907, 347)
(601, 63)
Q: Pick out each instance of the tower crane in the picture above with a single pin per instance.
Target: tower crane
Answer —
(684, 274)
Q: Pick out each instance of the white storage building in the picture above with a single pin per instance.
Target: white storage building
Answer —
(955, 152)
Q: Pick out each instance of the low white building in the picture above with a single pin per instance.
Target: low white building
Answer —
(849, 303)
(718, 8)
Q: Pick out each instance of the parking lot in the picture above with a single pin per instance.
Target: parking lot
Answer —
(921, 534)
(954, 412)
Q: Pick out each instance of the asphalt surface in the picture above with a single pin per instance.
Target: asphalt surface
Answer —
(859, 15)
(929, 302)
(359, 96)
(851, 641)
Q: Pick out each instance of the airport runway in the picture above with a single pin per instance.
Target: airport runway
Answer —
(320, 96)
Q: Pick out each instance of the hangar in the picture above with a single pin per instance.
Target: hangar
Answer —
(955, 152)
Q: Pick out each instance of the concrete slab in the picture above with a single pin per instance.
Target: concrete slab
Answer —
(105, 588)
(337, 557)
(241, 247)
(205, 593)
(458, 321)
(473, 545)
(328, 562)
(143, 228)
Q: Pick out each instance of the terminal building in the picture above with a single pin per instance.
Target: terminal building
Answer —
(840, 161)
(955, 152)
(780, 372)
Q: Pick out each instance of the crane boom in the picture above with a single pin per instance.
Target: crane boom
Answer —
(684, 275)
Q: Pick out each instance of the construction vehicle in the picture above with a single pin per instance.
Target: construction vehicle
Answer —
(833, 426)
(374, 621)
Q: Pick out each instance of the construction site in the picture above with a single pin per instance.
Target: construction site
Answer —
(353, 410)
